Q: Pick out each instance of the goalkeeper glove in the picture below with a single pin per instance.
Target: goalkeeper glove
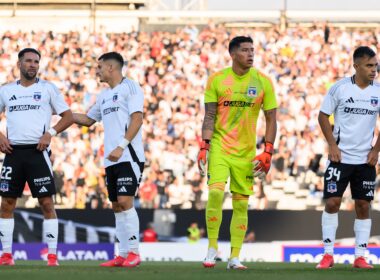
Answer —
(202, 156)
(262, 162)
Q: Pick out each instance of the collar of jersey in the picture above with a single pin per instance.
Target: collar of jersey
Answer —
(242, 76)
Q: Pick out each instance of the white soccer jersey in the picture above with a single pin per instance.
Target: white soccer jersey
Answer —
(29, 109)
(114, 107)
(355, 113)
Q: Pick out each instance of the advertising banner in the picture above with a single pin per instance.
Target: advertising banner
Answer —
(313, 254)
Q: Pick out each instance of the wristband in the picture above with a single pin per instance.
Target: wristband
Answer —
(124, 143)
(52, 131)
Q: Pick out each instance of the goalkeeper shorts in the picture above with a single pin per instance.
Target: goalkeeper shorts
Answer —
(239, 171)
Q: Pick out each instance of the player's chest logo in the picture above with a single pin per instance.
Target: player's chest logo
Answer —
(37, 96)
(374, 101)
(115, 97)
(252, 92)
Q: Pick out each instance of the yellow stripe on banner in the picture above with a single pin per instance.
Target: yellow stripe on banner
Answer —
(218, 186)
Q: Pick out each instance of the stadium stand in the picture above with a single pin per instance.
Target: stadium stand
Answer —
(172, 68)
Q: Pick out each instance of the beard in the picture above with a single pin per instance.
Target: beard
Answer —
(28, 76)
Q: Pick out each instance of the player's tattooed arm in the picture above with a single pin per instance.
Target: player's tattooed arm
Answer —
(209, 120)
(271, 125)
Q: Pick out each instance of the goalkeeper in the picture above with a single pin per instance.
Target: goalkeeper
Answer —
(233, 99)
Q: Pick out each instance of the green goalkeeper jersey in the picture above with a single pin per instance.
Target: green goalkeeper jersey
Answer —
(239, 100)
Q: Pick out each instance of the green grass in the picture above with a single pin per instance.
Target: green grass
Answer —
(83, 270)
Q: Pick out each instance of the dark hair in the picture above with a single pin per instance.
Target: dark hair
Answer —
(26, 50)
(235, 42)
(113, 55)
(363, 51)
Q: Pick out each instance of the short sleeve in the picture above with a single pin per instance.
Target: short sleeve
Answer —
(330, 102)
(95, 111)
(57, 101)
(211, 94)
(269, 100)
(2, 103)
(135, 98)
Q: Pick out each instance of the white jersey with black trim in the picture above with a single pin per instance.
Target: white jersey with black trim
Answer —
(114, 107)
(355, 113)
(29, 109)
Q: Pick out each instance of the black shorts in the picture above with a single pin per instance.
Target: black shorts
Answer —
(27, 164)
(361, 178)
(123, 179)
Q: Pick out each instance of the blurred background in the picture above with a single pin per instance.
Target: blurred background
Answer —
(170, 48)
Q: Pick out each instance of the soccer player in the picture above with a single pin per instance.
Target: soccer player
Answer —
(233, 99)
(29, 104)
(354, 101)
(121, 109)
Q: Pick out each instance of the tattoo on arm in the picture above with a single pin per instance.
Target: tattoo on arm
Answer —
(209, 120)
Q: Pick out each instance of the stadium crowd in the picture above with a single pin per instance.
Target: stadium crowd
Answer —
(172, 69)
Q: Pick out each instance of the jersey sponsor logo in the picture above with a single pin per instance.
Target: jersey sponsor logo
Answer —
(123, 189)
(114, 98)
(370, 193)
(43, 190)
(350, 100)
(23, 108)
(37, 96)
(332, 187)
(359, 111)
(110, 110)
(49, 235)
(374, 101)
(252, 92)
(238, 104)
(4, 186)
(13, 98)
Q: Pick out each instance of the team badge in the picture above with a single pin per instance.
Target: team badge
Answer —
(114, 98)
(37, 96)
(252, 92)
(374, 101)
(332, 187)
(4, 186)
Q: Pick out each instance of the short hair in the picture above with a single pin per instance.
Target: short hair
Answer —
(363, 51)
(112, 55)
(27, 50)
(235, 42)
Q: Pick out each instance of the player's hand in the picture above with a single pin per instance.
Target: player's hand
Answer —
(5, 146)
(202, 157)
(116, 154)
(373, 157)
(262, 162)
(334, 153)
(44, 142)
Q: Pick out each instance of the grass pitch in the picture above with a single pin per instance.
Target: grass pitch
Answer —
(83, 270)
